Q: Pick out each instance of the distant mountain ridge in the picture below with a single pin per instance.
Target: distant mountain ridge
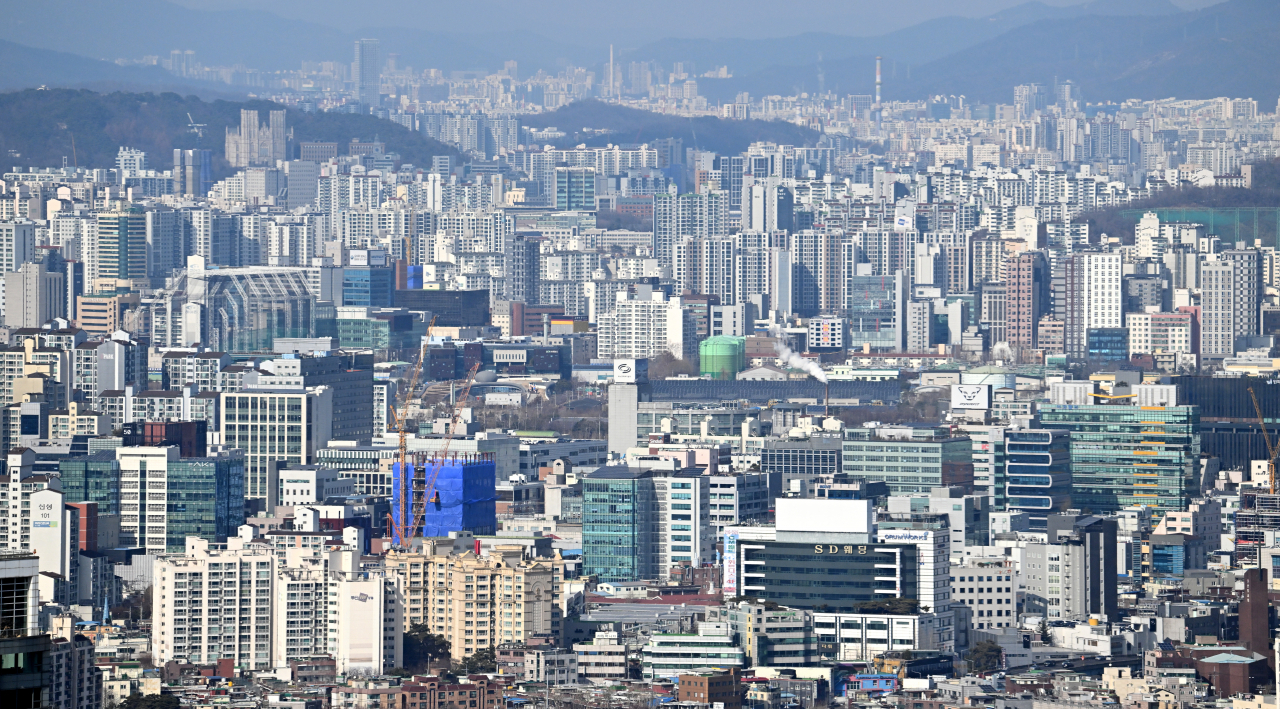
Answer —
(1112, 49)
(928, 40)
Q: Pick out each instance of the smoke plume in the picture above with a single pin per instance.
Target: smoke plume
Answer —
(793, 360)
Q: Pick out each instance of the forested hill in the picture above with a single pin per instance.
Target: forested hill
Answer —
(40, 127)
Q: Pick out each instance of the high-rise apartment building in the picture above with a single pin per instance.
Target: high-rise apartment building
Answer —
(676, 217)
(213, 602)
(366, 70)
(1230, 301)
(1026, 297)
(1094, 298)
(33, 295)
(640, 328)
(240, 601)
(477, 602)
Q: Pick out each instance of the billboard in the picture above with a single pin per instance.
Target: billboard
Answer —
(970, 396)
(729, 584)
(630, 371)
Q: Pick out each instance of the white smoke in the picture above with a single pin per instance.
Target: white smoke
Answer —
(791, 359)
(1002, 351)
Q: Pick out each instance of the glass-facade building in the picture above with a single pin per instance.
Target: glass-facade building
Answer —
(927, 459)
(92, 478)
(1124, 455)
(619, 542)
(369, 286)
(830, 577)
(205, 499)
(1037, 472)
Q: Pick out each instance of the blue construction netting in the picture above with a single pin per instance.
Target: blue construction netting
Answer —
(466, 498)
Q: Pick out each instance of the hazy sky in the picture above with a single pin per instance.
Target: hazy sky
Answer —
(592, 21)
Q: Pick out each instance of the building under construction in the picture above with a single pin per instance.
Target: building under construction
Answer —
(1257, 519)
(462, 499)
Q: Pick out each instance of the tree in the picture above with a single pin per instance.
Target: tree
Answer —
(985, 656)
(890, 606)
(666, 365)
(151, 701)
(479, 661)
(1043, 629)
(421, 646)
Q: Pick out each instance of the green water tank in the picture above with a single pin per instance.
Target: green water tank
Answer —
(722, 357)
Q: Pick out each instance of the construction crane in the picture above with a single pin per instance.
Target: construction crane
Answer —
(197, 128)
(424, 485)
(400, 420)
(1266, 438)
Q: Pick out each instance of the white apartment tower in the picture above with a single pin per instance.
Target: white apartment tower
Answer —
(1094, 298)
(643, 328)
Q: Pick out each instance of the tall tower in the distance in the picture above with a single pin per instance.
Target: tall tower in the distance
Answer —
(366, 71)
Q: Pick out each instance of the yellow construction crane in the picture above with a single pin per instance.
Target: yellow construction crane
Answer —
(424, 486)
(399, 417)
(1266, 438)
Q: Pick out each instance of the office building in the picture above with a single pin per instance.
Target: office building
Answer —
(271, 425)
(670, 655)
(366, 70)
(1143, 452)
(121, 254)
(987, 585)
(192, 172)
(866, 563)
(623, 539)
(909, 460)
(478, 602)
(603, 661)
(185, 497)
(348, 376)
(575, 188)
(768, 635)
(1073, 576)
(968, 515)
(1037, 472)
(94, 478)
(41, 669)
(805, 460)
(1151, 333)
